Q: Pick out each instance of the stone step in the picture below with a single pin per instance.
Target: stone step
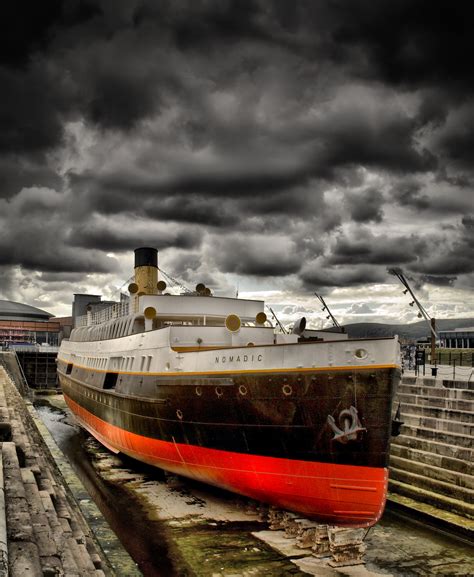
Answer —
(23, 551)
(425, 482)
(444, 449)
(432, 472)
(427, 380)
(435, 499)
(438, 402)
(465, 417)
(436, 391)
(463, 378)
(440, 425)
(432, 516)
(468, 385)
(466, 467)
(449, 438)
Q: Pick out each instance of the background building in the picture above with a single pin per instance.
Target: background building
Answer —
(458, 338)
(22, 324)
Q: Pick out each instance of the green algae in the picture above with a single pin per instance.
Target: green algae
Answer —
(226, 551)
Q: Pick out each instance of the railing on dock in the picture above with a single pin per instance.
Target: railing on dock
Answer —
(460, 358)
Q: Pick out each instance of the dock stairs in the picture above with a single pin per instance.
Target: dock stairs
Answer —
(432, 459)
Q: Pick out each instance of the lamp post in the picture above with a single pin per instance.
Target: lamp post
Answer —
(329, 315)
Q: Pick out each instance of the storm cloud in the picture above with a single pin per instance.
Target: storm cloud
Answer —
(311, 144)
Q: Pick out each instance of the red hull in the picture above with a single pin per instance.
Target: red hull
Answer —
(335, 494)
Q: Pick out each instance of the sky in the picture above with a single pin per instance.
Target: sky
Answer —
(274, 149)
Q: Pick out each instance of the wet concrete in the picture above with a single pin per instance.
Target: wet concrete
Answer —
(173, 526)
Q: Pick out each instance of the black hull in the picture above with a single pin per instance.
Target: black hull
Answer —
(282, 415)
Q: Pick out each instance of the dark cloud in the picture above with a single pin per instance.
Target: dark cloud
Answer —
(186, 265)
(34, 104)
(366, 205)
(319, 140)
(33, 234)
(17, 172)
(193, 209)
(6, 282)
(258, 255)
(320, 275)
(123, 236)
(439, 280)
(25, 28)
(409, 194)
(363, 247)
(373, 133)
(413, 42)
(60, 277)
(453, 254)
(456, 138)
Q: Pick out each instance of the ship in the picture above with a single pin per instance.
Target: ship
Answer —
(206, 387)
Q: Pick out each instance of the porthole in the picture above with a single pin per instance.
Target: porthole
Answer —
(179, 414)
(198, 391)
(219, 391)
(243, 390)
(287, 390)
(360, 354)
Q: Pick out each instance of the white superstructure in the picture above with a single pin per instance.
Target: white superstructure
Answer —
(198, 332)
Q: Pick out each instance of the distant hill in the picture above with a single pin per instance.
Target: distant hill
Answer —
(413, 331)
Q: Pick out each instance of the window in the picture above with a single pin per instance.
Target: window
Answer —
(110, 381)
(115, 363)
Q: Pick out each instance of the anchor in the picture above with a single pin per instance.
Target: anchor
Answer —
(397, 423)
(352, 428)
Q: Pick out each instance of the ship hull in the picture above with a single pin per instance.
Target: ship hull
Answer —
(263, 436)
(335, 494)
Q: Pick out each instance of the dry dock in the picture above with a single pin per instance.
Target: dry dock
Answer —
(174, 527)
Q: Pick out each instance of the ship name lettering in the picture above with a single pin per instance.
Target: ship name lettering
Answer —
(238, 359)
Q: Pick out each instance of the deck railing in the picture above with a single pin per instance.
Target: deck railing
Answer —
(114, 311)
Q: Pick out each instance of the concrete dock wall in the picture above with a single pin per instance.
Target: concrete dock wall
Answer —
(10, 362)
(43, 530)
(432, 459)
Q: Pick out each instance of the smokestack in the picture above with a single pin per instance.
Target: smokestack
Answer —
(146, 256)
(146, 271)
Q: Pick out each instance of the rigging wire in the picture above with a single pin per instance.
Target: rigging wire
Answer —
(175, 282)
(119, 290)
(171, 280)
